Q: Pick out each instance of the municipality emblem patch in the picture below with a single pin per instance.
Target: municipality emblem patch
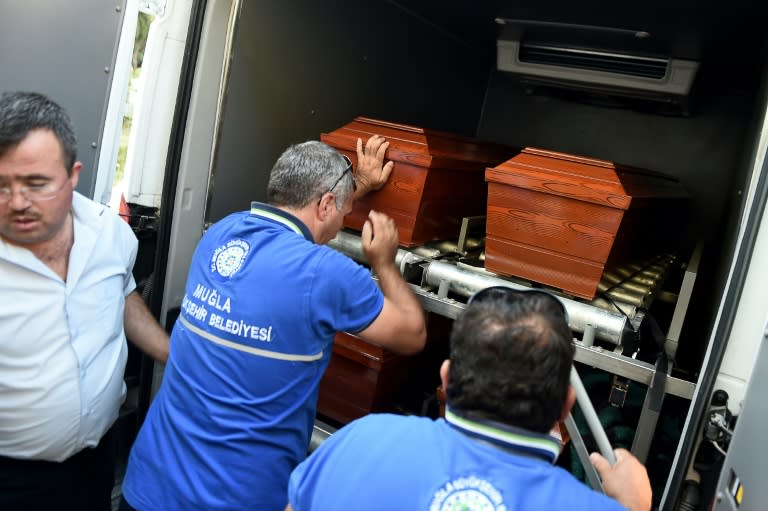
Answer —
(228, 258)
(467, 494)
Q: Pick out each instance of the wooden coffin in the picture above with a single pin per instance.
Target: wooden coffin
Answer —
(559, 219)
(438, 178)
(361, 378)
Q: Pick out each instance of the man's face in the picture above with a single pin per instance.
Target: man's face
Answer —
(336, 220)
(36, 162)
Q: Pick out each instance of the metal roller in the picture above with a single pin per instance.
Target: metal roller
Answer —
(607, 325)
(351, 245)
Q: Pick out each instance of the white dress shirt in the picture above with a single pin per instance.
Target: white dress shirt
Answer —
(62, 344)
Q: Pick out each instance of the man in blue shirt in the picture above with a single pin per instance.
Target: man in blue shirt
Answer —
(507, 386)
(264, 300)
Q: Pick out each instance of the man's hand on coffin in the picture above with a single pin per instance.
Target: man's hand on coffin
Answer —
(371, 172)
(379, 240)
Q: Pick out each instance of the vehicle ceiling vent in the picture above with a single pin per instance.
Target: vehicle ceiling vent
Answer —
(592, 73)
(632, 65)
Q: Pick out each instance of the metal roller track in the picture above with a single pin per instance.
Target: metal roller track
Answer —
(351, 245)
(605, 324)
(608, 326)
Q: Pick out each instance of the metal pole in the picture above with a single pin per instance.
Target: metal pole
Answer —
(585, 404)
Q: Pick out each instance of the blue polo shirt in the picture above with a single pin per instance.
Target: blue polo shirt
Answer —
(384, 462)
(237, 403)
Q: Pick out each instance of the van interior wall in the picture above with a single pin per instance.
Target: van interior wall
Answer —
(303, 68)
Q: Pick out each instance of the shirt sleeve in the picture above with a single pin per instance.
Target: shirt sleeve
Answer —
(345, 297)
(130, 249)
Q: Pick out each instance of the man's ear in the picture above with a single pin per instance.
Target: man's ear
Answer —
(75, 174)
(570, 400)
(445, 369)
(327, 201)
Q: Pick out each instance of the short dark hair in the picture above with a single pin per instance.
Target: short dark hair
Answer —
(511, 357)
(22, 112)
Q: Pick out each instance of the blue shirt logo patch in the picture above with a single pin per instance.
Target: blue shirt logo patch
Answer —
(467, 494)
(228, 258)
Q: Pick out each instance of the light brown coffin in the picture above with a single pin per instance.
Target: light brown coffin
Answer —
(559, 219)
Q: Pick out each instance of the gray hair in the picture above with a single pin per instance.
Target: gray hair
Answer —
(22, 112)
(304, 172)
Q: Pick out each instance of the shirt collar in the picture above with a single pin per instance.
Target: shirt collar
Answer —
(87, 211)
(282, 217)
(86, 218)
(509, 438)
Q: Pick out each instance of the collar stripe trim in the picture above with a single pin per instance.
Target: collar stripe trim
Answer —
(248, 349)
(543, 445)
(277, 218)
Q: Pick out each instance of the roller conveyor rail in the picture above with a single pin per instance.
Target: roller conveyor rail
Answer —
(602, 325)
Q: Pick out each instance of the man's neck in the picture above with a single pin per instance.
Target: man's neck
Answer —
(54, 252)
(306, 216)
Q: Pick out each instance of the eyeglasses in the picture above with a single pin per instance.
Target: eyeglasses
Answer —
(38, 193)
(348, 169)
(496, 292)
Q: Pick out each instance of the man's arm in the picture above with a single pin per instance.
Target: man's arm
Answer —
(626, 481)
(143, 330)
(400, 326)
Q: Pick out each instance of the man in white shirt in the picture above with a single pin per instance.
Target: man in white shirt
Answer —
(69, 302)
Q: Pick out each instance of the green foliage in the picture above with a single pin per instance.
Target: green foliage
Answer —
(140, 43)
(122, 152)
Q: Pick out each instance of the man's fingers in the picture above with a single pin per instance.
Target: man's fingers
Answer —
(359, 148)
(374, 216)
(374, 144)
(379, 220)
(601, 464)
(621, 454)
(387, 170)
(382, 149)
(367, 234)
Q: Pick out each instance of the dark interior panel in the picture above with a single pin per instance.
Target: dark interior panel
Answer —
(303, 68)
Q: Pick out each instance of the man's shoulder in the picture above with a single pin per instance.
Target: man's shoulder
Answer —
(380, 435)
(85, 207)
(227, 221)
(392, 423)
(98, 216)
(226, 229)
(332, 256)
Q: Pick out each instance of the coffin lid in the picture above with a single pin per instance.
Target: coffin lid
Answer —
(581, 178)
(419, 146)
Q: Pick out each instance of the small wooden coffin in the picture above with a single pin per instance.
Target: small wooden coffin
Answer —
(361, 378)
(438, 178)
(559, 219)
